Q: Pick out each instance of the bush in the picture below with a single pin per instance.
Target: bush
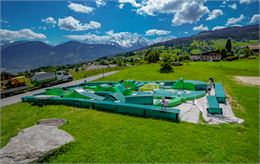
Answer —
(223, 53)
(166, 64)
(142, 61)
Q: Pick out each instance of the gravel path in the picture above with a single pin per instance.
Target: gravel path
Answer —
(250, 80)
(17, 98)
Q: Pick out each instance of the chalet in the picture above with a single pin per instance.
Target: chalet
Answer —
(206, 56)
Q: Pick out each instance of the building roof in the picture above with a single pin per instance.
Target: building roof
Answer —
(254, 47)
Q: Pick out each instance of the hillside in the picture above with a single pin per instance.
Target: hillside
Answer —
(250, 32)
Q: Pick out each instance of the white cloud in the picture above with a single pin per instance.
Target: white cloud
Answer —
(124, 39)
(188, 11)
(71, 24)
(200, 28)
(245, 1)
(255, 19)
(100, 3)
(49, 20)
(20, 34)
(4, 21)
(218, 27)
(214, 14)
(156, 32)
(232, 21)
(80, 8)
(132, 2)
(233, 6)
(121, 6)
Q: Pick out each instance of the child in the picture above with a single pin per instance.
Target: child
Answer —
(164, 104)
(211, 84)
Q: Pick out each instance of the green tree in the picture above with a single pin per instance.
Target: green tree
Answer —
(228, 45)
(166, 63)
(152, 56)
(120, 61)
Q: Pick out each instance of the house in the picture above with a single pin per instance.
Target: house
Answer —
(206, 56)
(195, 57)
(255, 48)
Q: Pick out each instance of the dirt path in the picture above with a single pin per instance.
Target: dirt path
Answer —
(249, 80)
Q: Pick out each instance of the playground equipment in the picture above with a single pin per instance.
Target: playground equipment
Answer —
(133, 97)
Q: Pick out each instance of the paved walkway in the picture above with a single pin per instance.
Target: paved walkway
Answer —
(17, 98)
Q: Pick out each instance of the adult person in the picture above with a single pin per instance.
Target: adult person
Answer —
(210, 85)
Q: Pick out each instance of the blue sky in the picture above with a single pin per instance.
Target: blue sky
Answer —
(123, 21)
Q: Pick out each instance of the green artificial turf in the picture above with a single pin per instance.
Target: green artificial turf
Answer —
(109, 137)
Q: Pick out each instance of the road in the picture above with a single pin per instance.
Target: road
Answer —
(17, 98)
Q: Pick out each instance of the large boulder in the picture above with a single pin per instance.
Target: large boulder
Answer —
(34, 143)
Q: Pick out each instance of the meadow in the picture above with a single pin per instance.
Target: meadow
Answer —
(109, 137)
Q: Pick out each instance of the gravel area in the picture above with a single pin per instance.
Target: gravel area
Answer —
(250, 80)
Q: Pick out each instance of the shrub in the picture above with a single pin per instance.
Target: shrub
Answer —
(142, 61)
(223, 53)
(166, 64)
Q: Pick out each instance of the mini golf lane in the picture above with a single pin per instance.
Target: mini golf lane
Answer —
(181, 100)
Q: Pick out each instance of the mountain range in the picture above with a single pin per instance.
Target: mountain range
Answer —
(24, 55)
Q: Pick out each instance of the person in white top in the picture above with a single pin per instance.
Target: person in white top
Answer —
(211, 84)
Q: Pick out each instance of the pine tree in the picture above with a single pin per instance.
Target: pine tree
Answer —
(228, 45)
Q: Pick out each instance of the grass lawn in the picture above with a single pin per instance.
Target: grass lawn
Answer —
(110, 137)
(87, 73)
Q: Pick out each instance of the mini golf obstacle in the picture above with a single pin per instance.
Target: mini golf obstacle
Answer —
(141, 98)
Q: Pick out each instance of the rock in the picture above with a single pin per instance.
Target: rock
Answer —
(34, 143)
(52, 122)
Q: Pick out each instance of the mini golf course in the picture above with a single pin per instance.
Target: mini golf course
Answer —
(156, 99)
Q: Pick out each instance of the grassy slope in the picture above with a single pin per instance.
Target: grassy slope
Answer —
(220, 43)
(109, 137)
(87, 73)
